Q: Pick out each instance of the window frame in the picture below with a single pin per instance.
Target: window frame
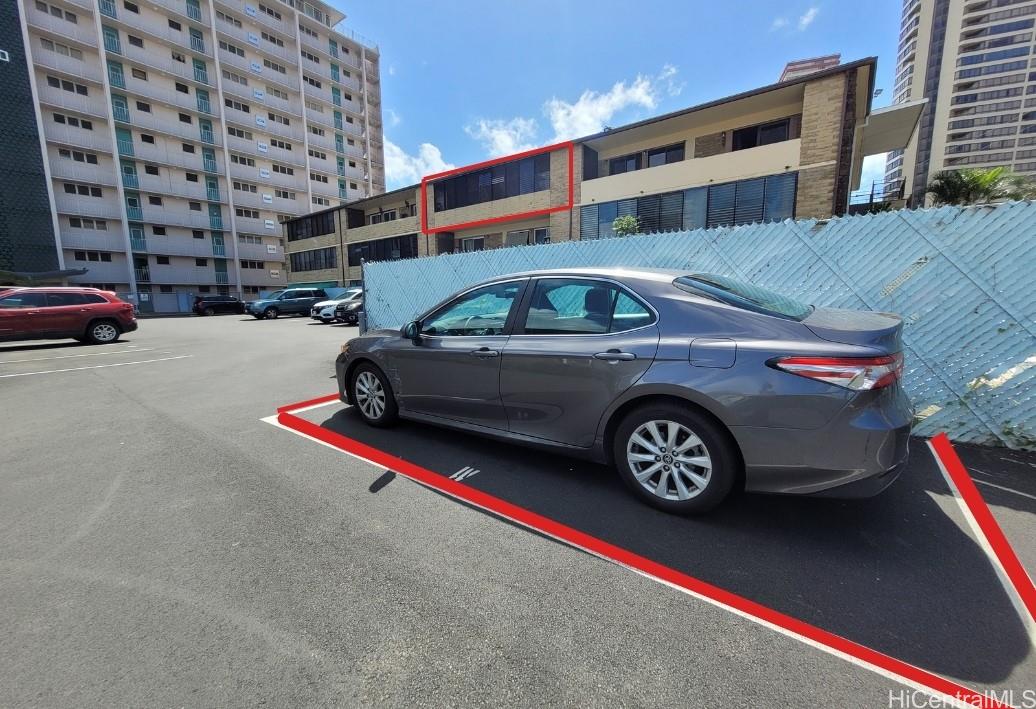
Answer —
(523, 310)
(512, 314)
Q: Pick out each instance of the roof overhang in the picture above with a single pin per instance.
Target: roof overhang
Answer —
(891, 128)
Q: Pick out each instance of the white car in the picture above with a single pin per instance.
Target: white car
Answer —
(324, 311)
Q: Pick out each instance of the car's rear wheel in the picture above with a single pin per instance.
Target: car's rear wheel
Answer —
(101, 332)
(373, 396)
(674, 458)
(271, 313)
(210, 311)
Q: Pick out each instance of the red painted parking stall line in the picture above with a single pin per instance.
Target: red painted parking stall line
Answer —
(811, 634)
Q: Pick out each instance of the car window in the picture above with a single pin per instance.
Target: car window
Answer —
(24, 300)
(94, 298)
(582, 307)
(318, 294)
(482, 311)
(276, 295)
(743, 295)
(55, 300)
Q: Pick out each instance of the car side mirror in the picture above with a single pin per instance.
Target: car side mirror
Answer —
(412, 331)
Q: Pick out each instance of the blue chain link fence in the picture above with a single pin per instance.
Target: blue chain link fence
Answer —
(962, 278)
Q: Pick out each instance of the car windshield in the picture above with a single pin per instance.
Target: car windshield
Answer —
(743, 295)
(275, 295)
(352, 295)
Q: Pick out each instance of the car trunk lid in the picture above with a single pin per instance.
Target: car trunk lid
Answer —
(882, 331)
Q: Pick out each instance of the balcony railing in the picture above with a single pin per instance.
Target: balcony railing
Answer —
(138, 244)
(112, 44)
(219, 249)
(194, 12)
(222, 278)
(198, 44)
(212, 193)
(130, 180)
(125, 147)
(209, 164)
(121, 113)
(135, 214)
(107, 7)
(143, 275)
(216, 222)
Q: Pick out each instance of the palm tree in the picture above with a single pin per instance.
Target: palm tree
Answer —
(979, 186)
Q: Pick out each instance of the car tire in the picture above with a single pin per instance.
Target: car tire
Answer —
(364, 385)
(209, 311)
(102, 332)
(271, 313)
(691, 481)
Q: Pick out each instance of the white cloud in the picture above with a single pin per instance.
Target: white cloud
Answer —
(593, 110)
(806, 19)
(779, 23)
(502, 137)
(873, 170)
(392, 70)
(402, 168)
(394, 119)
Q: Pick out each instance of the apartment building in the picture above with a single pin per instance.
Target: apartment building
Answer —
(179, 135)
(972, 60)
(791, 149)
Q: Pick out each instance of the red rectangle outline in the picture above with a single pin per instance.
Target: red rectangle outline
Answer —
(568, 145)
(611, 552)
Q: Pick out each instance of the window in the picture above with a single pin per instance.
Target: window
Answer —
(57, 300)
(280, 68)
(228, 18)
(249, 213)
(182, 88)
(254, 265)
(162, 260)
(29, 299)
(316, 130)
(743, 295)
(284, 194)
(278, 118)
(524, 176)
(197, 233)
(232, 48)
(86, 223)
(313, 225)
(278, 143)
(154, 200)
(62, 49)
(201, 262)
(234, 77)
(187, 147)
(242, 160)
(311, 81)
(390, 249)
(239, 133)
(194, 206)
(245, 187)
(626, 163)
(237, 105)
(185, 118)
(764, 134)
(272, 13)
(177, 56)
(165, 289)
(147, 138)
(272, 39)
(249, 239)
(151, 169)
(312, 57)
(582, 307)
(666, 155)
(315, 177)
(66, 85)
(482, 311)
(192, 176)
(158, 230)
(135, 41)
(315, 260)
(283, 169)
(57, 12)
(274, 91)
(132, 7)
(83, 190)
(97, 256)
(321, 201)
(77, 156)
(142, 106)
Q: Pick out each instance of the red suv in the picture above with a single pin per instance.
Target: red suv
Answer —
(86, 314)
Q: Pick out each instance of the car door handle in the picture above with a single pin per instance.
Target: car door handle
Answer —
(485, 352)
(615, 356)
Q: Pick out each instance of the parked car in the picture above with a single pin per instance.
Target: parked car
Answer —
(213, 304)
(688, 384)
(349, 311)
(324, 311)
(53, 313)
(290, 301)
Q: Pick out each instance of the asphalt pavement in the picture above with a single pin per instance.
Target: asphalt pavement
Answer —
(160, 545)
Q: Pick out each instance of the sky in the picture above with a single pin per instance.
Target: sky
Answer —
(463, 81)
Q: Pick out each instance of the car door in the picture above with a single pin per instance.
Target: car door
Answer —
(18, 313)
(453, 370)
(289, 300)
(577, 344)
(63, 314)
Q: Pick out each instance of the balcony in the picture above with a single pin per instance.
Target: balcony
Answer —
(163, 63)
(134, 214)
(138, 243)
(125, 147)
(262, 277)
(102, 174)
(107, 7)
(239, 35)
(216, 222)
(289, 82)
(99, 208)
(129, 179)
(183, 245)
(725, 167)
(142, 275)
(219, 249)
(72, 238)
(115, 271)
(83, 34)
(248, 225)
(121, 113)
(238, 8)
(173, 184)
(92, 105)
(187, 275)
(84, 71)
(259, 252)
(161, 32)
(396, 227)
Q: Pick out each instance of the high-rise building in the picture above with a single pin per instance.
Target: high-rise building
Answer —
(179, 135)
(971, 60)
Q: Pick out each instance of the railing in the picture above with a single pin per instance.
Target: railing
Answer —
(198, 44)
(216, 222)
(135, 214)
(209, 165)
(212, 193)
(121, 113)
(125, 147)
(219, 249)
(194, 12)
(138, 244)
(116, 78)
(142, 275)
(107, 7)
(880, 196)
(222, 278)
(130, 180)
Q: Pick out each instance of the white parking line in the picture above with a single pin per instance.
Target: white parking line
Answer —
(1005, 489)
(88, 354)
(96, 366)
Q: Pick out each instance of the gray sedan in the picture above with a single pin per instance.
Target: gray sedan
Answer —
(689, 384)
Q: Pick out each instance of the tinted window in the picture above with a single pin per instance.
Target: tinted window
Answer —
(94, 298)
(482, 311)
(24, 300)
(582, 307)
(743, 295)
(55, 300)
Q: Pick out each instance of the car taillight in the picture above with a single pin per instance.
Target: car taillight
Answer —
(856, 373)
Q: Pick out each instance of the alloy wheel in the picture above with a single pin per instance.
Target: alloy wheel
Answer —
(669, 460)
(369, 395)
(105, 332)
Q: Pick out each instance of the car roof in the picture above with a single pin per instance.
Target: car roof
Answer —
(73, 289)
(654, 275)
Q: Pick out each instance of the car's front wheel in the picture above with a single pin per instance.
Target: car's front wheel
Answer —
(373, 396)
(674, 458)
(102, 332)
(271, 313)
(210, 311)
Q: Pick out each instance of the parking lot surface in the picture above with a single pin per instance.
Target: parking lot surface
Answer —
(160, 544)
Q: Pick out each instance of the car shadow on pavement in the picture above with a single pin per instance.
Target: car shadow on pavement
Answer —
(45, 346)
(897, 572)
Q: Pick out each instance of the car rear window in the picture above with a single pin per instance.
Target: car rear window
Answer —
(743, 295)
